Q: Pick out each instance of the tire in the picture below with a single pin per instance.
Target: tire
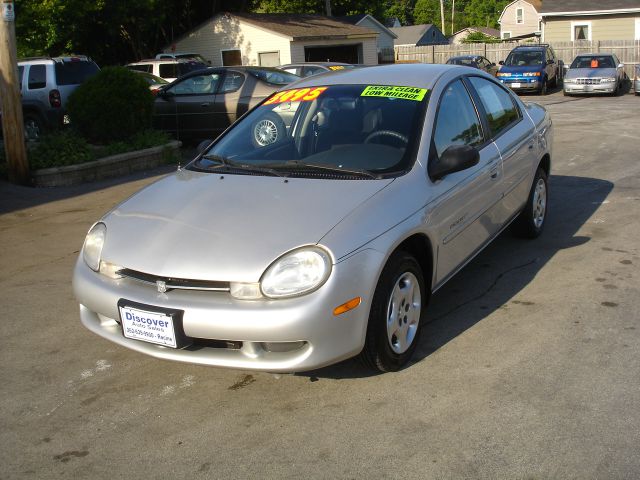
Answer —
(543, 88)
(33, 127)
(267, 130)
(397, 314)
(530, 222)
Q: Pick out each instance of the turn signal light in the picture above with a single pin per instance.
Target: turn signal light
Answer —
(345, 307)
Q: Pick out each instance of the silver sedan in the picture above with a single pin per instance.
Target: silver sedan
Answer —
(316, 228)
(594, 73)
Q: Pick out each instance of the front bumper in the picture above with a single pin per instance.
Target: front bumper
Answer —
(574, 88)
(288, 335)
(524, 83)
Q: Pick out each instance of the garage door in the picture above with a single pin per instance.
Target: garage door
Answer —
(334, 53)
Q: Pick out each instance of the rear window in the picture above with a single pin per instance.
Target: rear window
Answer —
(470, 62)
(74, 73)
(274, 77)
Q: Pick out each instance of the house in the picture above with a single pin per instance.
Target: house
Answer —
(385, 35)
(276, 39)
(520, 18)
(419, 35)
(460, 36)
(595, 20)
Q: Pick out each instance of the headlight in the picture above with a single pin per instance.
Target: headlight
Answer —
(569, 80)
(92, 248)
(503, 74)
(531, 74)
(296, 273)
(608, 80)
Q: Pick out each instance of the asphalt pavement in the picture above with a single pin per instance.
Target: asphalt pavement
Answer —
(528, 369)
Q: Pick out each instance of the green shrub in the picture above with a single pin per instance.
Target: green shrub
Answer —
(146, 139)
(111, 106)
(58, 149)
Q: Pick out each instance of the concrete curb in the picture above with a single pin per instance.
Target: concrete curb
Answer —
(108, 167)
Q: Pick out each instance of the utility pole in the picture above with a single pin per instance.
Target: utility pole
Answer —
(442, 16)
(12, 122)
(453, 13)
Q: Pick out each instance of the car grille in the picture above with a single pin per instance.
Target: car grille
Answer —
(170, 283)
(588, 81)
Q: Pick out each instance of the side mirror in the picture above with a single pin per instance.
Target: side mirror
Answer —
(454, 159)
(501, 62)
(165, 94)
(203, 145)
(621, 65)
(550, 62)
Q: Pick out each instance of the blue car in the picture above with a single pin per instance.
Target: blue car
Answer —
(530, 68)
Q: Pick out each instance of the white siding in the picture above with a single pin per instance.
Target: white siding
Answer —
(223, 33)
(530, 19)
(384, 39)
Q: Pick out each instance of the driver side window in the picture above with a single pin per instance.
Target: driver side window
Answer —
(197, 85)
(457, 122)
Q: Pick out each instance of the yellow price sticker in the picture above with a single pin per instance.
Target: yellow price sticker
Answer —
(406, 93)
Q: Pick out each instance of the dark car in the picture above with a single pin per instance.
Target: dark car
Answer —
(532, 68)
(202, 104)
(305, 69)
(475, 61)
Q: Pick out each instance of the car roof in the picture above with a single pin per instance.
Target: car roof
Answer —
(465, 56)
(418, 75)
(317, 64)
(163, 60)
(51, 60)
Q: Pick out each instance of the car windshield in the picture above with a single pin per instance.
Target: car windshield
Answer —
(274, 76)
(593, 61)
(74, 72)
(524, 59)
(190, 66)
(471, 62)
(338, 131)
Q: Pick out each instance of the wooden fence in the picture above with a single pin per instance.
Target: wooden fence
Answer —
(628, 51)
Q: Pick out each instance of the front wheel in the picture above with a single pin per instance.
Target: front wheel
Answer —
(543, 88)
(397, 313)
(33, 127)
(531, 220)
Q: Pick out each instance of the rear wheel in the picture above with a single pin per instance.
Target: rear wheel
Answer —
(397, 313)
(532, 219)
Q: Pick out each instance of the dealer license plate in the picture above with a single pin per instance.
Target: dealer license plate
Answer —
(152, 327)
(515, 85)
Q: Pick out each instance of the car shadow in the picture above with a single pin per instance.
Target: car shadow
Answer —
(497, 275)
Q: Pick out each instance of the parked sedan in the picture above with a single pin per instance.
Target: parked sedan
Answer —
(475, 61)
(204, 103)
(594, 73)
(291, 249)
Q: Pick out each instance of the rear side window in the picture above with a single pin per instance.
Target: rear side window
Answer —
(147, 67)
(274, 77)
(168, 70)
(501, 111)
(232, 82)
(457, 122)
(74, 73)
(37, 77)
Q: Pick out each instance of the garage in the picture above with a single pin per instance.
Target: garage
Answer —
(334, 53)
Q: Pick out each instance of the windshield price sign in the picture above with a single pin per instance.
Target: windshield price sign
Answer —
(406, 93)
(297, 95)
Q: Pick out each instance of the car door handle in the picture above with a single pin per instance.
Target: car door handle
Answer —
(494, 173)
(531, 146)
(205, 104)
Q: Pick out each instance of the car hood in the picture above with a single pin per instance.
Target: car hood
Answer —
(590, 72)
(226, 227)
(516, 71)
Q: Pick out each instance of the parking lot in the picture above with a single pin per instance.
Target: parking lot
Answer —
(529, 366)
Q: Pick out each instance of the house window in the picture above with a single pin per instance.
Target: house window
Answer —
(269, 59)
(519, 15)
(580, 31)
(506, 35)
(231, 57)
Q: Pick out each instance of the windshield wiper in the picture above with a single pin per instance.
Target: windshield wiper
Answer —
(298, 164)
(225, 162)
